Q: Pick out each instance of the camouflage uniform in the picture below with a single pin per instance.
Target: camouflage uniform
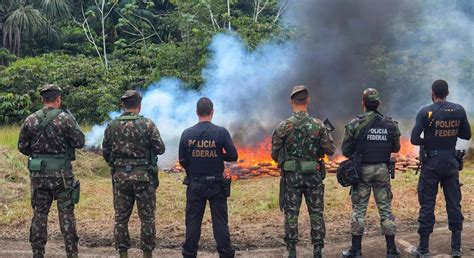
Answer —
(48, 185)
(309, 146)
(129, 143)
(375, 177)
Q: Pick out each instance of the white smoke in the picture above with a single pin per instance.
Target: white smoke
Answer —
(241, 84)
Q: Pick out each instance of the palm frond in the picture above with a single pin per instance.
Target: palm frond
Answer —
(56, 8)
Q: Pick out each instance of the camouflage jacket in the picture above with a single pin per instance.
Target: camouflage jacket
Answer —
(62, 130)
(127, 142)
(353, 129)
(312, 146)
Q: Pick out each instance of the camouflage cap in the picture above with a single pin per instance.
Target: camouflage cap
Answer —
(131, 94)
(49, 88)
(297, 89)
(371, 95)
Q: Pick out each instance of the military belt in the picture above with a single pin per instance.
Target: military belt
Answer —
(131, 168)
(49, 156)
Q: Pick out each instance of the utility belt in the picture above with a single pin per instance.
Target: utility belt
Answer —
(198, 180)
(440, 153)
(208, 179)
(131, 168)
(48, 162)
(305, 166)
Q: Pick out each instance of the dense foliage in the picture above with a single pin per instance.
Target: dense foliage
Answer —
(95, 49)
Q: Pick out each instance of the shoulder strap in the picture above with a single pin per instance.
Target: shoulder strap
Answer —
(48, 118)
(360, 139)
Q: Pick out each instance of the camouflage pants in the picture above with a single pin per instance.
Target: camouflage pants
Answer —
(312, 187)
(125, 194)
(44, 191)
(375, 177)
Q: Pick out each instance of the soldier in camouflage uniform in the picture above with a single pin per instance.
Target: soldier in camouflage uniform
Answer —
(130, 146)
(48, 137)
(383, 138)
(298, 144)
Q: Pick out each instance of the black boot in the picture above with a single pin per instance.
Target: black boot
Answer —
(291, 247)
(456, 244)
(356, 248)
(422, 250)
(392, 251)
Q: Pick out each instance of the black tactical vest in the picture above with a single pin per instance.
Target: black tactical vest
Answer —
(378, 142)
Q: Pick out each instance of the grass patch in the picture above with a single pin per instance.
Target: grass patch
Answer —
(9, 136)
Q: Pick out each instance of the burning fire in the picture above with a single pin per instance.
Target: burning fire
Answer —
(256, 162)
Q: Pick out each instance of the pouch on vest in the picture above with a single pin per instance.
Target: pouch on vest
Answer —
(289, 165)
(35, 165)
(308, 166)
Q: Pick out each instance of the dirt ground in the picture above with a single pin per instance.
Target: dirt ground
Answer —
(373, 246)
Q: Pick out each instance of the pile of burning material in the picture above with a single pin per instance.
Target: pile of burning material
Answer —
(255, 162)
(240, 170)
(177, 168)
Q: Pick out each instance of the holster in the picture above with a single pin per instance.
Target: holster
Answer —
(391, 167)
(70, 195)
(282, 191)
(226, 184)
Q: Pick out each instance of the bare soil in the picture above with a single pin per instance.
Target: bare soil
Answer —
(373, 246)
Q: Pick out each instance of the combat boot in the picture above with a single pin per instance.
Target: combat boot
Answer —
(318, 251)
(72, 256)
(147, 254)
(422, 249)
(392, 251)
(417, 252)
(123, 254)
(356, 248)
(291, 250)
(456, 244)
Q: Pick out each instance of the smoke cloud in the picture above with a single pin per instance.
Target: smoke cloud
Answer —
(332, 53)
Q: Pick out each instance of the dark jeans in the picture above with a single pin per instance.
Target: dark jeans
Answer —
(439, 171)
(197, 194)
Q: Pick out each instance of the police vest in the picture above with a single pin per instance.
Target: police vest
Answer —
(378, 142)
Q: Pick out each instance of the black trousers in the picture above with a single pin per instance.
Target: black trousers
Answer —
(197, 195)
(437, 171)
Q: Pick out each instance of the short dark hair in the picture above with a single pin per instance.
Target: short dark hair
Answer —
(204, 106)
(131, 102)
(50, 96)
(371, 105)
(300, 97)
(440, 88)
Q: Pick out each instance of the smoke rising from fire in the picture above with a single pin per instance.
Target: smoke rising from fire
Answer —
(332, 54)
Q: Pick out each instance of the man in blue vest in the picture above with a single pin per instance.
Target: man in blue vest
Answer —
(442, 123)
